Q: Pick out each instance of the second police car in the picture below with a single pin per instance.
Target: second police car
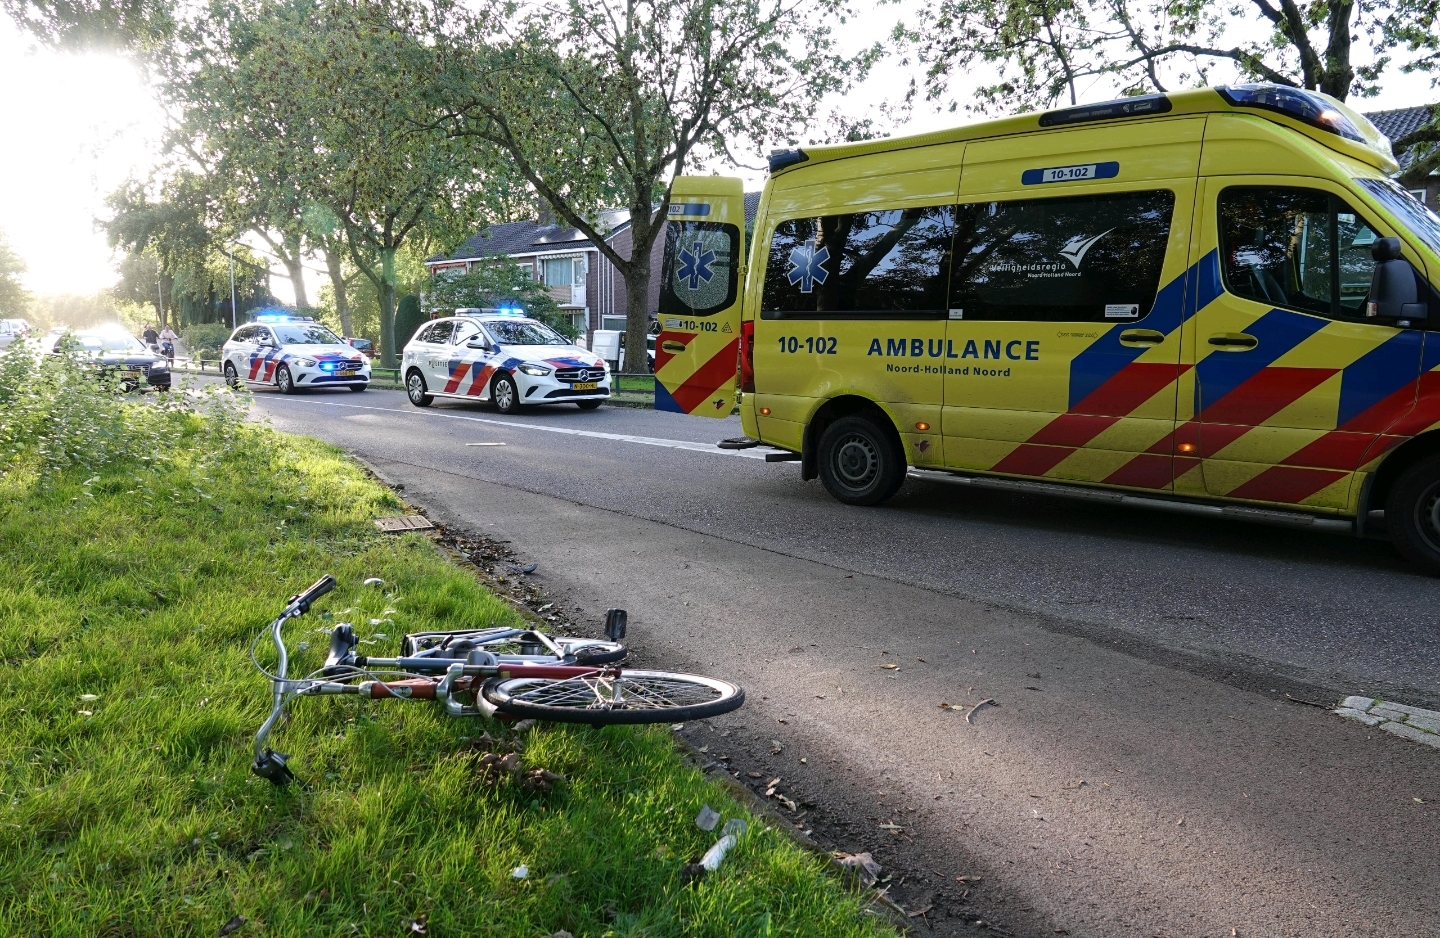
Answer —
(292, 353)
(504, 357)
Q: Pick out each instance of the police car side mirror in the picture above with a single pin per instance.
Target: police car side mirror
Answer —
(479, 342)
(1394, 287)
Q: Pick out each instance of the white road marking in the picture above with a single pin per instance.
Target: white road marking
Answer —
(710, 448)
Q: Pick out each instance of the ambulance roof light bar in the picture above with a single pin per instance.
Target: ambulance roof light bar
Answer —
(1138, 106)
(1310, 107)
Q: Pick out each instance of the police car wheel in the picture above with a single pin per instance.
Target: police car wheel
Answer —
(859, 462)
(284, 380)
(587, 405)
(415, 389)
(357, 387)
(232, 377)
(505, 395)
(1412, 514)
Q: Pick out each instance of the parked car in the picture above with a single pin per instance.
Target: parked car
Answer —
(115, 352)
(503, 357)
(12, 329)
(364, 345)
(292, 353)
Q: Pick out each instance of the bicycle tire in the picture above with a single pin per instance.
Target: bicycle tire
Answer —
(667, 697)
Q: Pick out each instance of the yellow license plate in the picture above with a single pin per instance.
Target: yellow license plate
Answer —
(586, 385)
(347, 372)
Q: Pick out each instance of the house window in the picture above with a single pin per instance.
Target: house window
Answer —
(1419, 195)
(559, 271)
(613, 322)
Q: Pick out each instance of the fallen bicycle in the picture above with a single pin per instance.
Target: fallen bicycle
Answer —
(494, 672)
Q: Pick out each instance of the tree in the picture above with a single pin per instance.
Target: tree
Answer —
(346, 81)
(13, 298)
(1047, 50)
(496, 283)
(604, 102)
(93, 24)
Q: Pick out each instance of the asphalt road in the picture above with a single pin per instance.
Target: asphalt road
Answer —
(1144, 772)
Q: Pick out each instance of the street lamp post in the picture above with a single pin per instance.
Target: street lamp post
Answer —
(232, 285)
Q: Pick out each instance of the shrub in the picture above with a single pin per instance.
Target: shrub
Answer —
(57, 412)
(204, 339)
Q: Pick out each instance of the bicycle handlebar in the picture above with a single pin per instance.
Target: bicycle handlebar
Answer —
(302, 601)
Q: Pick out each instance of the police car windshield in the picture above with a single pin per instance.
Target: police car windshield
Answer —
(1422, 222)
(104, 342)
(305, 334)
(521, 332)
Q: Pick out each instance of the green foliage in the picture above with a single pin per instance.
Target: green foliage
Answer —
(408, 317)
(58, 412)
(14, 300)
(597, 109)
(128, 599)
(500, 282)
(204, 340)
(1048, 52)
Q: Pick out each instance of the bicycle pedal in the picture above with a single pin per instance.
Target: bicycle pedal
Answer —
(615, 622)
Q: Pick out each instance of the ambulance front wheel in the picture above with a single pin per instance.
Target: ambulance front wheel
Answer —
(415, 389)
(1412, 513)
(860, 463)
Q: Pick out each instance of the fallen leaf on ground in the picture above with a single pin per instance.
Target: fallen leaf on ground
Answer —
(753, 774)
(863, 864)
(789, 805)
(1073, 786)
(921, 911)
(970, 717)
(889, 667)
(232, 926)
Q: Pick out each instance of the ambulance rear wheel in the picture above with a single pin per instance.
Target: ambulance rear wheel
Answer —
(415, 389)
(1412, 514)
(860, 463)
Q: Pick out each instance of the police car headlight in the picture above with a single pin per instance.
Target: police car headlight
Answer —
(538, 371)
(307, 363)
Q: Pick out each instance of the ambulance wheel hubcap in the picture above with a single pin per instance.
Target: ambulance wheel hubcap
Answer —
(1429, 516)
(856, 461)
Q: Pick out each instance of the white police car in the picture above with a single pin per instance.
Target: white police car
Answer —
(500, 356)
(292, 353)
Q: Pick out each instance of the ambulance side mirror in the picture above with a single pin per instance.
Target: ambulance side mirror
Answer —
(1394, 287)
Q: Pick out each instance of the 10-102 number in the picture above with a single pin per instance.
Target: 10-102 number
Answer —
(815, 346)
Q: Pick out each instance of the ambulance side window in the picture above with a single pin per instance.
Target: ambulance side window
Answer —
(884, 264)
(1091, 258)
(1296, 248)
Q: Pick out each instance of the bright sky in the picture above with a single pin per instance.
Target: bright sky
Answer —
(78, 125)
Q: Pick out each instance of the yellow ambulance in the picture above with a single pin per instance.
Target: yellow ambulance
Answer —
(1214, 301)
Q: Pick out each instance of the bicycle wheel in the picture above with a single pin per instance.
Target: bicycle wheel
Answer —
(593, 651)
(641, 697)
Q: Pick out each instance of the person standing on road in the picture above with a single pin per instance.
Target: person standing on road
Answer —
(150, 336)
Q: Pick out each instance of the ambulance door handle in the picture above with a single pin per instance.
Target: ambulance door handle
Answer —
(1233, 341)
(1141, 337)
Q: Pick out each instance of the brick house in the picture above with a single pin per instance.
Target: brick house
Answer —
(587, 287)
(1395, 124)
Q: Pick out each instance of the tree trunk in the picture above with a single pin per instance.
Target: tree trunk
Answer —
(296, 272)
(387, 308)
(336, 268)
(637, 319)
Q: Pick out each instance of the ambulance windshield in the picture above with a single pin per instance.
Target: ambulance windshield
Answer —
(1421, 221)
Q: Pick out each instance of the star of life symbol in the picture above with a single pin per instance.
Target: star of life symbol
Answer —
(695, 265)
(1075, 249)
(807, 267)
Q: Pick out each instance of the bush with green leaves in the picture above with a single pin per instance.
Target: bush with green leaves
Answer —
(498, 282)
(59, 411)
(408, 317)
(205, 339)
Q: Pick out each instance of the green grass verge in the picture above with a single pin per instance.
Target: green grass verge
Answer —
(127, 704)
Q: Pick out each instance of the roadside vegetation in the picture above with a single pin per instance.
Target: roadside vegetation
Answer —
(131, 585)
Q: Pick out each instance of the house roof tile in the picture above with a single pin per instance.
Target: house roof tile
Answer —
(1398, 122)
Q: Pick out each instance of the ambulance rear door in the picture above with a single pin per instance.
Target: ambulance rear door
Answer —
(696, 350)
